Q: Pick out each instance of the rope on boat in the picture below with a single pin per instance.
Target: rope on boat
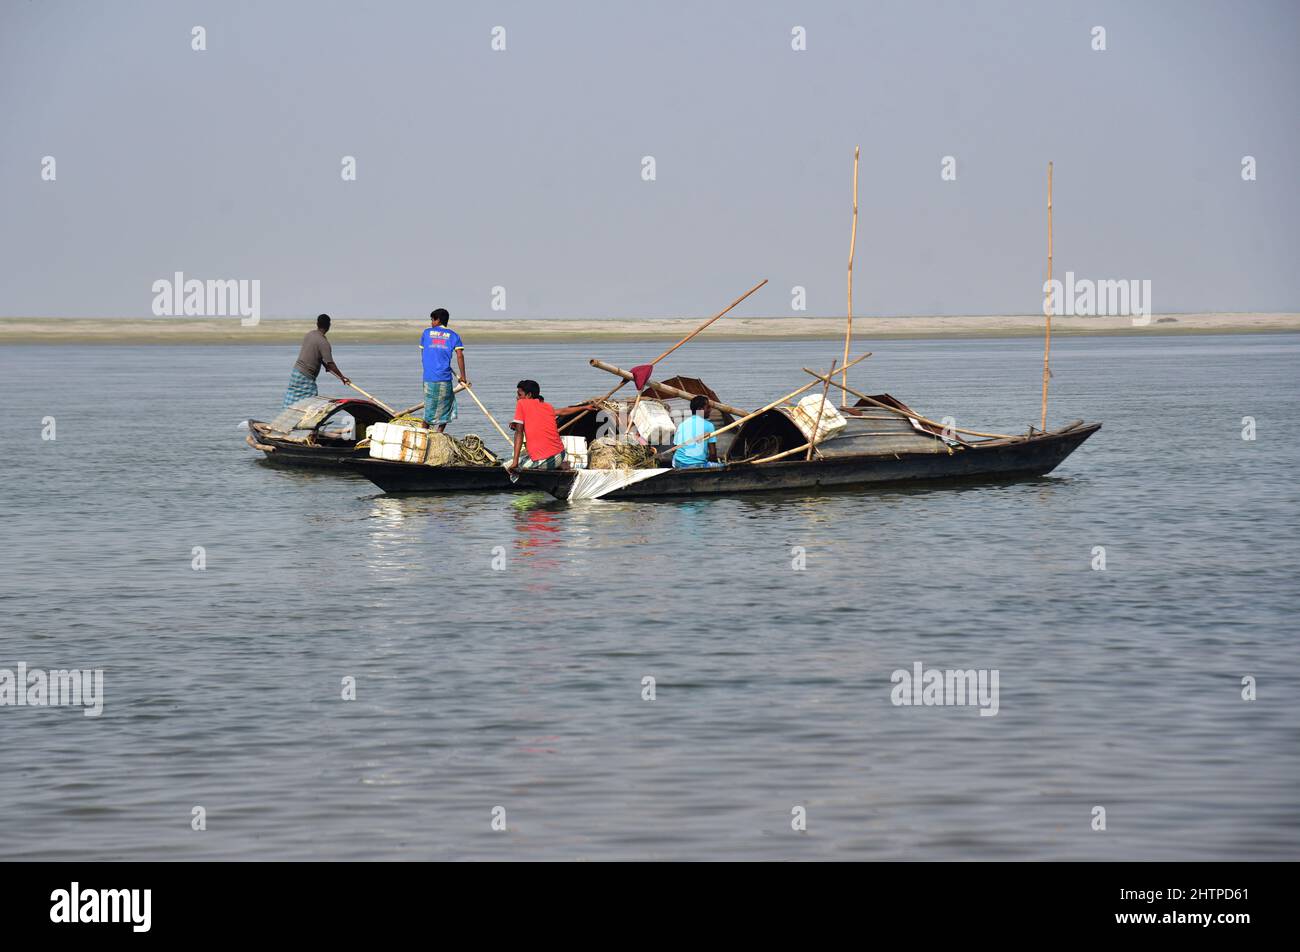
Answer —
(471, 451)
(760, 448)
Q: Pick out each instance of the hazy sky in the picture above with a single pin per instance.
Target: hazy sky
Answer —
(522, 168)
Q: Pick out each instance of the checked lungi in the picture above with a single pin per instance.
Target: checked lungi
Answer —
(551, 462)
(439, 402)
(300, 387)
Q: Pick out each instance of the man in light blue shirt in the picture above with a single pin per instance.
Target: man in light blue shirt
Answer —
(701, 449)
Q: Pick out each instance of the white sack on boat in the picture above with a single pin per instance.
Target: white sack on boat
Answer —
(594, 483)
(813, 414)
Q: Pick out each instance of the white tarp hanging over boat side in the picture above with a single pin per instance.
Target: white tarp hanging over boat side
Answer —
(594, 483)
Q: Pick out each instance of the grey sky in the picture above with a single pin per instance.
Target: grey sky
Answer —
(522, 168)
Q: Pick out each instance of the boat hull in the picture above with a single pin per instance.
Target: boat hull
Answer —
(300, 456)
(1029, 457)
(396, 477)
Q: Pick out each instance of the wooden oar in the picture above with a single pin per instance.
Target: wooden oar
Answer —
(373, 399)
(486, 413)
(904, 413)
(750, 416)
(697, 330)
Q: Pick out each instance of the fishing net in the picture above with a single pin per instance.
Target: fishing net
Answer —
(447, 450)
(608, 453)
(442, 449)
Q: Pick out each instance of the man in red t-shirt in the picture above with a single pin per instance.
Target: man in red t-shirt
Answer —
(534, 424)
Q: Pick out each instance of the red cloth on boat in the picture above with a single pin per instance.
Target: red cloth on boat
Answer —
(640, 374)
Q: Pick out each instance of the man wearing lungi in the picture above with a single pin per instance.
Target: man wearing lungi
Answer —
(437, 344)
(314, 353)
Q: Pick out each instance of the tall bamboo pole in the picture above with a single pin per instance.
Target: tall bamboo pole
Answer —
(1051, 305)
(853, 241)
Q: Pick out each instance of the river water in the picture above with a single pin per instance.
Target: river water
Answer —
(771, 624)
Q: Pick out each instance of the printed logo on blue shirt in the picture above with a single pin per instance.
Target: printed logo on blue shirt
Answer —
(436, 349)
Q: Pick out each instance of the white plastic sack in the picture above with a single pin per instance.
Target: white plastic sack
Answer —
(805, 416)
(653, 421)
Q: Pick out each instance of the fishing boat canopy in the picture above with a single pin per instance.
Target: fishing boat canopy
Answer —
(313, 418)
(868, 430)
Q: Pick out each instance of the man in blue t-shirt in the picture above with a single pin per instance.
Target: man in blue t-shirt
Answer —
(437, 344)
(701, 449)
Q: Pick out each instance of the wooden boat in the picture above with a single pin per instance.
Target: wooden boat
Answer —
(317, 432)
(875, 447)
(414, 478)
(396, 477)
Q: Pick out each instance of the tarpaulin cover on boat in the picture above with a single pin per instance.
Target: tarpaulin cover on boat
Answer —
(292, 416)
(868, 431)
(299, 421)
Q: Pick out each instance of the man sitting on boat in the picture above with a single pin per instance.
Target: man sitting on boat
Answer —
(314, 353)
(534, 425)
(694, 450)
(437, 344)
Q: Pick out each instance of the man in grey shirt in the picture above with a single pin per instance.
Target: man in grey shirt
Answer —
(315, 353)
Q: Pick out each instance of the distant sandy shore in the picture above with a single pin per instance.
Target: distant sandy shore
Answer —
(18, 330)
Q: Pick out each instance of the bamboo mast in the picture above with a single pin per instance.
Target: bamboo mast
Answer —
(1051, 305)
(853, 241)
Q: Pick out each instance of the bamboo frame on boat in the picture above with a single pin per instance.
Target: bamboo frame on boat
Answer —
(749, 416)
(910, 415)
(697, 330)
(655, 385)
(817, 424)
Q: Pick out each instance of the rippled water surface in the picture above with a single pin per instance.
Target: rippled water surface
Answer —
(522, 688)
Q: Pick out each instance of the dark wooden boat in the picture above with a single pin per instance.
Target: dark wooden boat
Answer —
(875, 448)
(396, 477)
(317, 433)
(399, 477)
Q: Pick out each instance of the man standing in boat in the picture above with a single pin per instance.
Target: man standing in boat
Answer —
(437, 344)
(696, 449)
(314, 353)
